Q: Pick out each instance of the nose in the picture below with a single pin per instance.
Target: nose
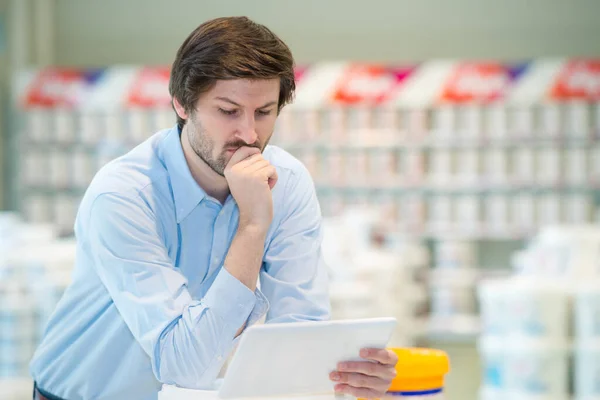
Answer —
(247, 129)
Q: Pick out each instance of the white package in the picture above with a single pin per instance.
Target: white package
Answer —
(548, 165)
(90, 129)
(59, 168)
(523, 212)
(81, 168)
(587, 312)
(37, 209)
(331, 203)
(440, 212)
(412, 212)
(469, 124)
(39, 123)
(577, 208)
(496, 165)
(360, 118)
(387, 119)
(587, 370)
(493, 358)
(335, 167)
(594, 161)
(522, 122)
(338, 128)
(440, 162)
(492, 295)
(577, 120)
(524, 166)
(64, 121)
(136, 125)
(576, 166)
(310, 160)
(491, 393)
(65, 210)
(386, 204)
(355, 167)
(538, 368)
(550, 125)
(416, 124)
(383, 166)
(35, 168)
(306, 124)
(496, 122)
(444, 122)
(467, 166)
(114, 130)
(284, 127)
(468, 213)
(414, 166)
(597, 120)
(537, 309)
(496, 212)
(548, 209)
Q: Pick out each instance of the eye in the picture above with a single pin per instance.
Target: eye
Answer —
(264, 113)
(228, 112)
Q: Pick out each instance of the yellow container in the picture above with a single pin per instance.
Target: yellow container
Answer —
(420, 374)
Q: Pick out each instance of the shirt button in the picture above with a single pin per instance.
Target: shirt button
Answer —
(219, 358)
(216, 260)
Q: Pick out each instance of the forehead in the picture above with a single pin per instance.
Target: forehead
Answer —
(245, 92)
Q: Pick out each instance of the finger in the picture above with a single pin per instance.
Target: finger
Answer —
(272, 182)
(357, 392)
(360, 380)
(250, 160)
(368, 368)
(384, 356)
(253, 159)
(273, 178)
(254, 165)
(242, 153)
(270, 175)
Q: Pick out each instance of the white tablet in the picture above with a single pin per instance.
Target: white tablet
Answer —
(296, 358)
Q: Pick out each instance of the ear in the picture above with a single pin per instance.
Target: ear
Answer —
(179, 109)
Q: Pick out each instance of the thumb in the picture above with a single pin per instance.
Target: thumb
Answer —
(273, 179)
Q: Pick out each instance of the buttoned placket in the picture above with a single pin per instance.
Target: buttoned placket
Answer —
(221, 234)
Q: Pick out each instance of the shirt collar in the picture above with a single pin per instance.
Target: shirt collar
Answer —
(186, 192)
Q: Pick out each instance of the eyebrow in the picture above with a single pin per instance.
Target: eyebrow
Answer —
(227, 100)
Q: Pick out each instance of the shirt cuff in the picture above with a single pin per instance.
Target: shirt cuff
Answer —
(231, 300)
(259, 311)
(260, 308)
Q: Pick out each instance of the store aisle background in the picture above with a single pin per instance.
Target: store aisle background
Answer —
(90, 33)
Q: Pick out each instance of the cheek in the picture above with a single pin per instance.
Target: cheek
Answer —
(265, 128)
(219, 130)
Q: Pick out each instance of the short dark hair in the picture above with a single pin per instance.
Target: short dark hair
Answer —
(229, 48)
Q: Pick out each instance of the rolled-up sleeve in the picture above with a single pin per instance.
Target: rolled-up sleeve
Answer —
(186, 339)
(294, 278)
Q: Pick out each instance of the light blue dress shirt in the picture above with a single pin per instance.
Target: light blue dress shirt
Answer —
(150, 302)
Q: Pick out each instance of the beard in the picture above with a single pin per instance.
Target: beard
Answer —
(204, 146)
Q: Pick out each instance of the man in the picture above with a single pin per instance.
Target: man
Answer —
(173, 236)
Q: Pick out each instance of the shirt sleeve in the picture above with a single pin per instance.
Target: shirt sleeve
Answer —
(294, 278)
(186, 339)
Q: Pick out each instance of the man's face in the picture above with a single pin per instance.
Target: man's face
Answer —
(234, 113)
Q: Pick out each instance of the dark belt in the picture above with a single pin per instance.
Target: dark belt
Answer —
(39, 394)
